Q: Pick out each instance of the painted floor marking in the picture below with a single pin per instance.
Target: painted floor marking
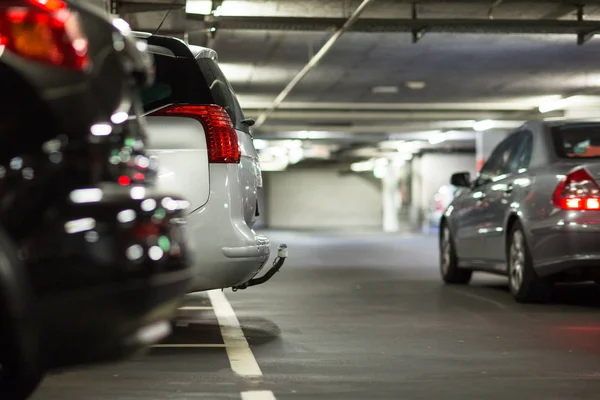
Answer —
(240, 356)
(258, 395)
(195, 308)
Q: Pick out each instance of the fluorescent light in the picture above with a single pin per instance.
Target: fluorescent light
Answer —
(483, 125)
(416, 85)
(380, 171)
(438, 138)
(272, 166)
(260, 144)
(362, 166)
(295, 155)
(555, 105)
(203, 7)
(385, 89)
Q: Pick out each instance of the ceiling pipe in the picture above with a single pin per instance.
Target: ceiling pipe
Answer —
(312, 63)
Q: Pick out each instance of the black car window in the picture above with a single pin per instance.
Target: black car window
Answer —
(222, 92)
(577, 140)
(497, 163)
(178, 80)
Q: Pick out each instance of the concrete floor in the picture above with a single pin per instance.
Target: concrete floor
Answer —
(364, 316)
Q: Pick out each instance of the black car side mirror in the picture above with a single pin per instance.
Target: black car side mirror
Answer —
(461, 179)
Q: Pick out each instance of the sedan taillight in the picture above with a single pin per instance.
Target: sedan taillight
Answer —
(577, 191)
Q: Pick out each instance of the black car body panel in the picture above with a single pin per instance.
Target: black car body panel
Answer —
(64, 134)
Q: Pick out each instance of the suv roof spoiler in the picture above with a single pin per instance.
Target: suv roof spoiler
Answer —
(176, 45)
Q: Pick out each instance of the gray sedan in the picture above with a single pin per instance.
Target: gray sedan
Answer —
(532, 213)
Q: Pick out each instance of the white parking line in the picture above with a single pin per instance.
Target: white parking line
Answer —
(258, 395)
(240, 356)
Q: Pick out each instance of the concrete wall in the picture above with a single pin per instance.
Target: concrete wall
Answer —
(319, 198)
(429, 172)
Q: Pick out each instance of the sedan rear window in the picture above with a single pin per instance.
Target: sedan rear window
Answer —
(577, 140)
(178, 80)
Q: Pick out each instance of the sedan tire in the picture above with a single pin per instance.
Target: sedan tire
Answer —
(525, 284)
(451, 273)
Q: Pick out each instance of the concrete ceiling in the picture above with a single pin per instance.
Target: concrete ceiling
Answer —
(477, 60)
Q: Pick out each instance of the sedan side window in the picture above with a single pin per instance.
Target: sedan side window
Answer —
(497, 164)
(524, 152)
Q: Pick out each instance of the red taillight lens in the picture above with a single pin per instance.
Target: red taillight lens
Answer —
(221, 137)
(44, 31)
(577, 191)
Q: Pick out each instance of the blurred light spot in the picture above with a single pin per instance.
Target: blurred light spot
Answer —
(137, 192)
(155, 253)
(142, 162)
(124, 156)
(101, 129)
(119, 117)
(124, 180)
(159, 214)
(92, 236)
(56, 157)
(134, 252)
(148, 204)
(126, 216)
(169, 203)
(80, 225)
(27, 173)
(164, 243)
(91, 195)
(16, 163)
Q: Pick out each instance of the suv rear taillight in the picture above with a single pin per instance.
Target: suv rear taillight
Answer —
(221, 137)
(577, 191)
(44, 31)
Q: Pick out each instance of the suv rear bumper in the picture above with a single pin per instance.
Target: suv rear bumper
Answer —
(230, 252)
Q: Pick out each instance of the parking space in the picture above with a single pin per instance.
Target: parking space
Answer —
(357, 316)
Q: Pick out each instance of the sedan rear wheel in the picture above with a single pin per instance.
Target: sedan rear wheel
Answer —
(449, 269)
(525, 284)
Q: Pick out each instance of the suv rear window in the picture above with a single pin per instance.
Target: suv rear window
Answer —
(178, 80)
(577, 140)
(223, 92)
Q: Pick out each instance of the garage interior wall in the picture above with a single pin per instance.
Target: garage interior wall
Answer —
(429, 173)
(320, 198)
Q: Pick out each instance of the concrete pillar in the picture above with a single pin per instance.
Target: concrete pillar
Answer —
(390, 198)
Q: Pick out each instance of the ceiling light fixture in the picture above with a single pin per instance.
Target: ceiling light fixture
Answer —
(555, 105)
(260, 144)
(484, 125)
(385, 89)
(416, 85)
(362, 166)
(437, 138)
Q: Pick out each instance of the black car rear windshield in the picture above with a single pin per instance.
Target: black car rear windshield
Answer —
(178, 80)
(577, 140)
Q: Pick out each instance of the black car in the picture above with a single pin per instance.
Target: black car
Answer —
(93, 260)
